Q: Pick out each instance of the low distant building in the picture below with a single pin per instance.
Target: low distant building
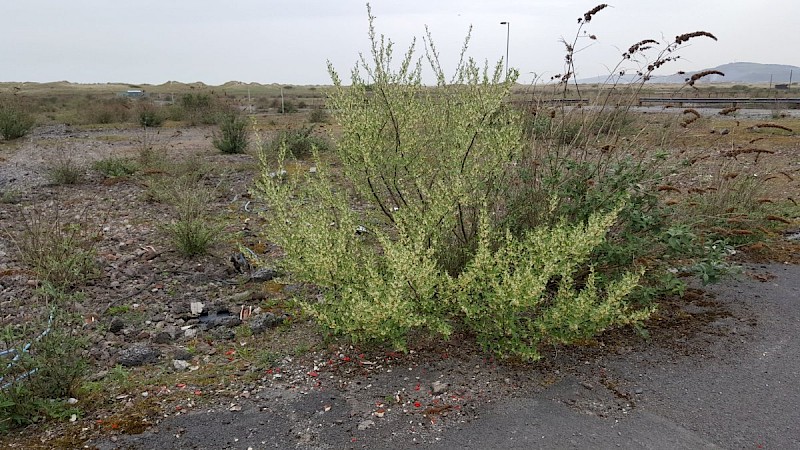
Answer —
(134, 93)
(782, 86)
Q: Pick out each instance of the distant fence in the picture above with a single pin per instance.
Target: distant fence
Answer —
(788, 103)
(552, 101)
(791, 103)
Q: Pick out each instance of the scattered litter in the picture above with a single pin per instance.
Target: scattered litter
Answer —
(196, 308)
(245, 312)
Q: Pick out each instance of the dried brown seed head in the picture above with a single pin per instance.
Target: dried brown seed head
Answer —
(588, 16)
(638, 46)
(691, 111)
(685, 37)
(772, 125)
(704, 73)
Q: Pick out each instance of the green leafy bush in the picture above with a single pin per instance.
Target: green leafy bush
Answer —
(35, 387)
(14, 121)
(504, 293)
(199, 108)
(319, 115)
(234, 137)
(299, 143)
(106, 111)
(287, 107)
(590, 158)
(149, 115)
(427, 247)
(174, 112)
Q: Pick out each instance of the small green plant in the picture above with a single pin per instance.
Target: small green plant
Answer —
(116, 167)
(301, 349)
(713, 265)
(680, 240)
(10, 196)
(118, 310)
(152, 160)
(174, 112)
(267, 359)
(243, 332)
(58, 294)
(737, 193)
(15, 122)
(119, 375)
(234, 136)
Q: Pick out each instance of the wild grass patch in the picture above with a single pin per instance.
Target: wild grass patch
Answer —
(60, 251)
(116, 167)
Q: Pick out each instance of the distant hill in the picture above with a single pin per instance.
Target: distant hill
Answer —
(170, 87)
(740, 72)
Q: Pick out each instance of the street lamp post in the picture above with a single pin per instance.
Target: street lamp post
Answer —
(508, 36)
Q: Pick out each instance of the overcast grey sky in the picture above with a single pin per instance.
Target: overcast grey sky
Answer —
(267, 41)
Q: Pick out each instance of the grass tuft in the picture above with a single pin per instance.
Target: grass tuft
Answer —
(116, 167)
(62, 254)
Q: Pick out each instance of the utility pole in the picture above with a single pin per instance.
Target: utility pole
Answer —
(508, 37)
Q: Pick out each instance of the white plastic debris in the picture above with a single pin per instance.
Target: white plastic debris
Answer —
(196, 308)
